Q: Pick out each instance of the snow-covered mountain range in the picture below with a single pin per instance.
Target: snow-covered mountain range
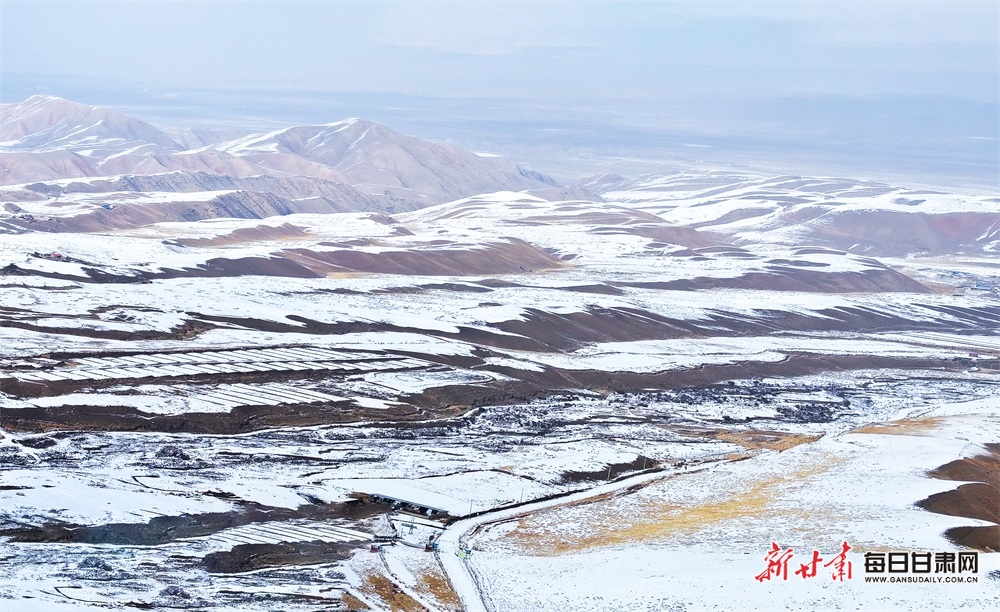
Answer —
(46, 138)
(66, 166)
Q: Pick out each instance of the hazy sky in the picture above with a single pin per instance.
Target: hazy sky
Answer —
(548, 50)
(873, 89)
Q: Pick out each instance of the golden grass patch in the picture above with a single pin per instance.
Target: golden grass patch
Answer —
(754, 439)
(903, 427)
(437, 586)
(750, 439)
(654, 520)
(352, 602)
(387, 591)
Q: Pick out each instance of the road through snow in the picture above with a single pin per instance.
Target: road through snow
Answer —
(452, 540)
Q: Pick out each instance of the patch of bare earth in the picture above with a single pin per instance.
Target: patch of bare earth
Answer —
(251, 557)
(507, 257)
(984, 467)
(978, 499)
(284, 232)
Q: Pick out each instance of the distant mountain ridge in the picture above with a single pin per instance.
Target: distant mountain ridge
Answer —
(47, 123)
(46, 138)
(67, 167)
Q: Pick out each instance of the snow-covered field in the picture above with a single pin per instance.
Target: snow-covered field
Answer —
(620, 403)
(697, 541)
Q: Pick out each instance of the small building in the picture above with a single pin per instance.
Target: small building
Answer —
(409, 505)
(405, 496)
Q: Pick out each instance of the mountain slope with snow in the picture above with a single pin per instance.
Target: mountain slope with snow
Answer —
(371, 155)
(844, 214)
(46, 138)
(47, 123)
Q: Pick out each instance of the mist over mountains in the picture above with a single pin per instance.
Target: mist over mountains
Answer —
(934, 141)
(71, 167)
